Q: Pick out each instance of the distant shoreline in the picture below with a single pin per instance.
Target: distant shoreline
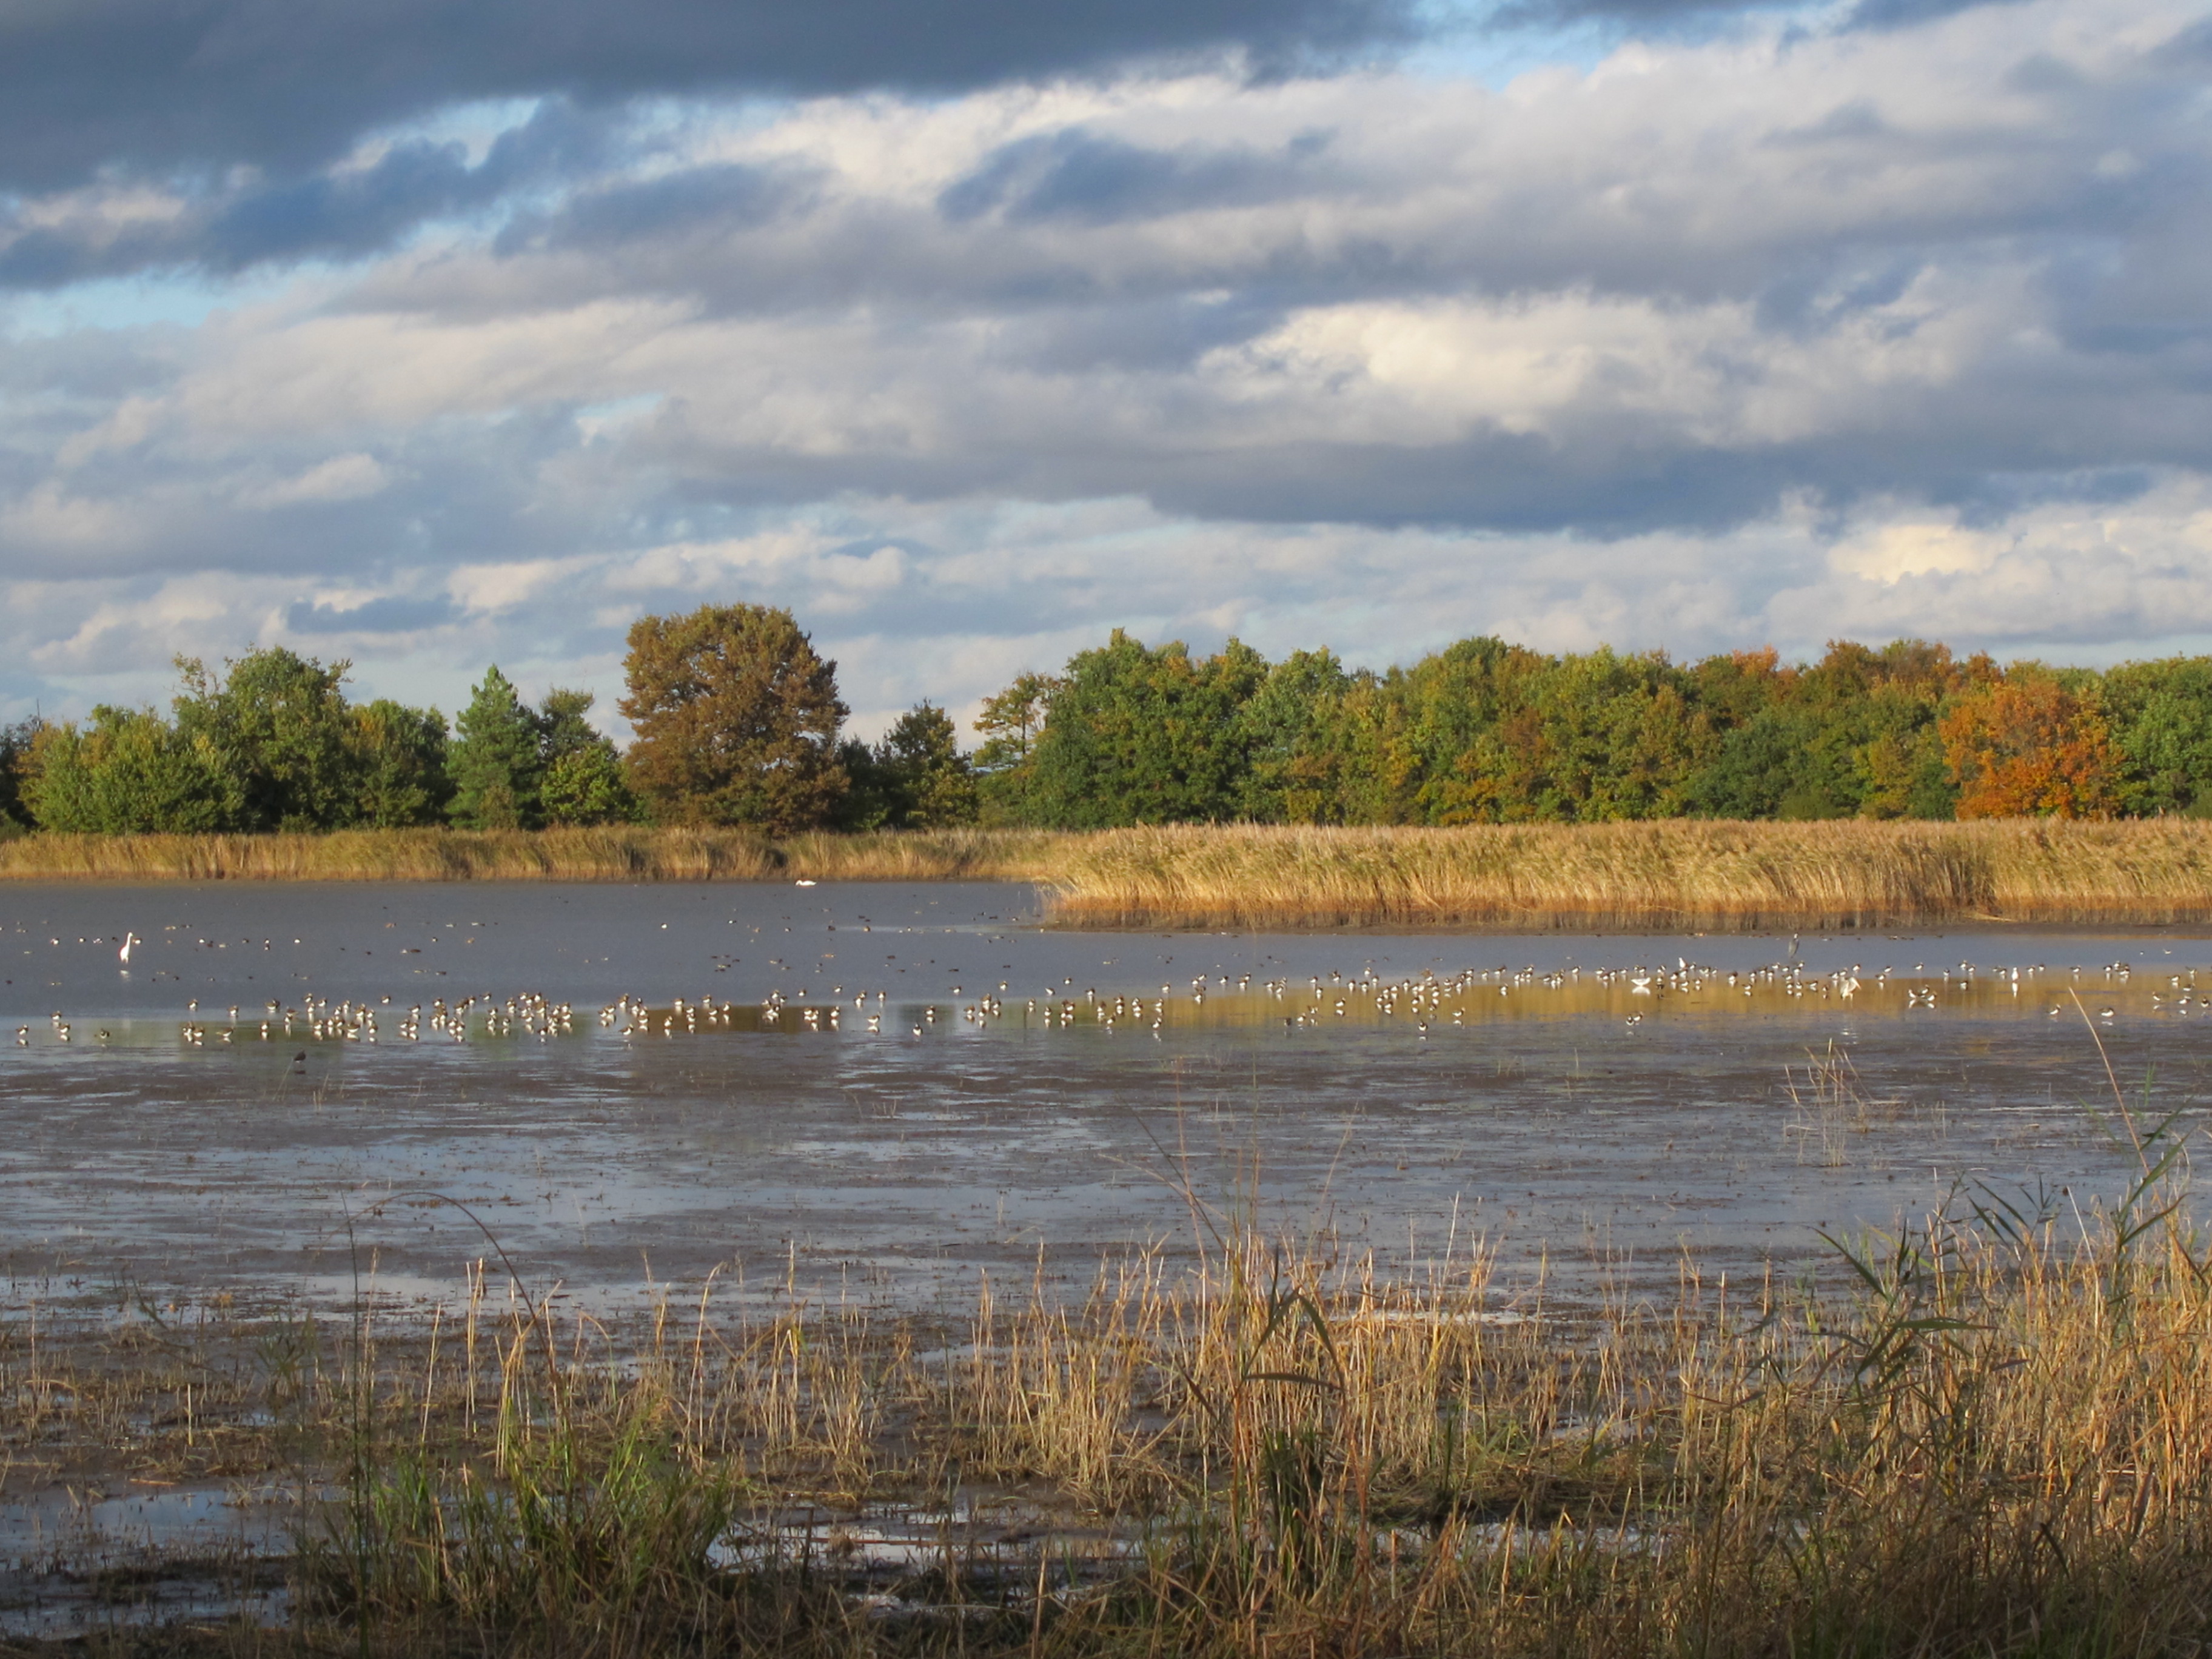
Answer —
(612, 853)
(1682, 875)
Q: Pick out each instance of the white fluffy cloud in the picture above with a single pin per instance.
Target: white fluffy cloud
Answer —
(1781, 334)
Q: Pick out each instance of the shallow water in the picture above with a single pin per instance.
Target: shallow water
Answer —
(1552, 1109)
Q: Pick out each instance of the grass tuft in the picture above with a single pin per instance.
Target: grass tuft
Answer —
(1988, 1436)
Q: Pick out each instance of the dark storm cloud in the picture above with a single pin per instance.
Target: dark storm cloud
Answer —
(1903, 14)
(155, 85)
(1664, 15)
(1096, 178)
(235, 221)
(723, 199)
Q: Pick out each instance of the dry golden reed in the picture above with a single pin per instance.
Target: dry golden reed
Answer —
(613, 854)
(1998, 1443)
(1683, 874)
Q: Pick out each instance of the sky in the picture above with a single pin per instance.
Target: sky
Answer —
(430, 335)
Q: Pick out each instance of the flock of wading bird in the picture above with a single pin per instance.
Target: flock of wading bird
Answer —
(1426, 1002)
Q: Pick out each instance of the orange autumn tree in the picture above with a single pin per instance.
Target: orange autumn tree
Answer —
(2023, 744)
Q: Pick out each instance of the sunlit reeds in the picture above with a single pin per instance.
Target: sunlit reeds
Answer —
(612, 853)
(1986, 1434)
(1683, 875)
(1677, 875)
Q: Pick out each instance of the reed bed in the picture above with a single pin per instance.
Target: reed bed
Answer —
(614, 853)
(1679, 875)
(1995, 1442)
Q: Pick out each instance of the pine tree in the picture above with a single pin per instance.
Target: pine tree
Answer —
(495, 765)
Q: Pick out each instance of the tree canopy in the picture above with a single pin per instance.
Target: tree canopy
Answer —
(1487, 732)
(495, 763)
(736, 720)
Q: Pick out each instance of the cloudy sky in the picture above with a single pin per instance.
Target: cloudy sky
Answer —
(429, 333)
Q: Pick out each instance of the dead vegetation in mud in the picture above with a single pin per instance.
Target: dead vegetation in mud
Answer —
(1987, 1435)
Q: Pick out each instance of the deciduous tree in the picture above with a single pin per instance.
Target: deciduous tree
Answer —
(127, 771)
(919, 776)
(280, 724)
(1139, 736)
(582, 782)
(2160, 715)
(1005, 764)
(736, 720)
(15, 757)
(2027, 744)
(402, 765)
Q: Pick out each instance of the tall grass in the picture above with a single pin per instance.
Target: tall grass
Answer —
(1681, 874)
(1999, 1445)
(1987, 1436)
(612, 854)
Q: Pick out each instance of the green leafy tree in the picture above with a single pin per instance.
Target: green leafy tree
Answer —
(1463, 737)
(15, 761)
(736, 720)
(1612, 737)
(587, 786)
(564, 727)
(924, 779)
(1010, 724)
(126, 771)
(1853, 734)
(582, 782)
(1381, 774)
(401, 758)
(280, 724)
(2160, 715)
(495, 765)
(1292, 741)
(1759, 770)
(867, 802)
(1136, 736)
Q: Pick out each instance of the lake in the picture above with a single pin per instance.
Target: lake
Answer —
(1524, 1095)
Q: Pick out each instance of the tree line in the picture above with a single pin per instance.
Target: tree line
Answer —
(736, 720)
(1484, 731)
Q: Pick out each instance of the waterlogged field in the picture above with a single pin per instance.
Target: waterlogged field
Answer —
(307, 1142)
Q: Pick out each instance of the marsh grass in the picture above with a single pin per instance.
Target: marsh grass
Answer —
(616, 854)
(1985, 1432)
(1994, 1443)
(1682, 875)
(1988, 1435)
(1679, 875)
